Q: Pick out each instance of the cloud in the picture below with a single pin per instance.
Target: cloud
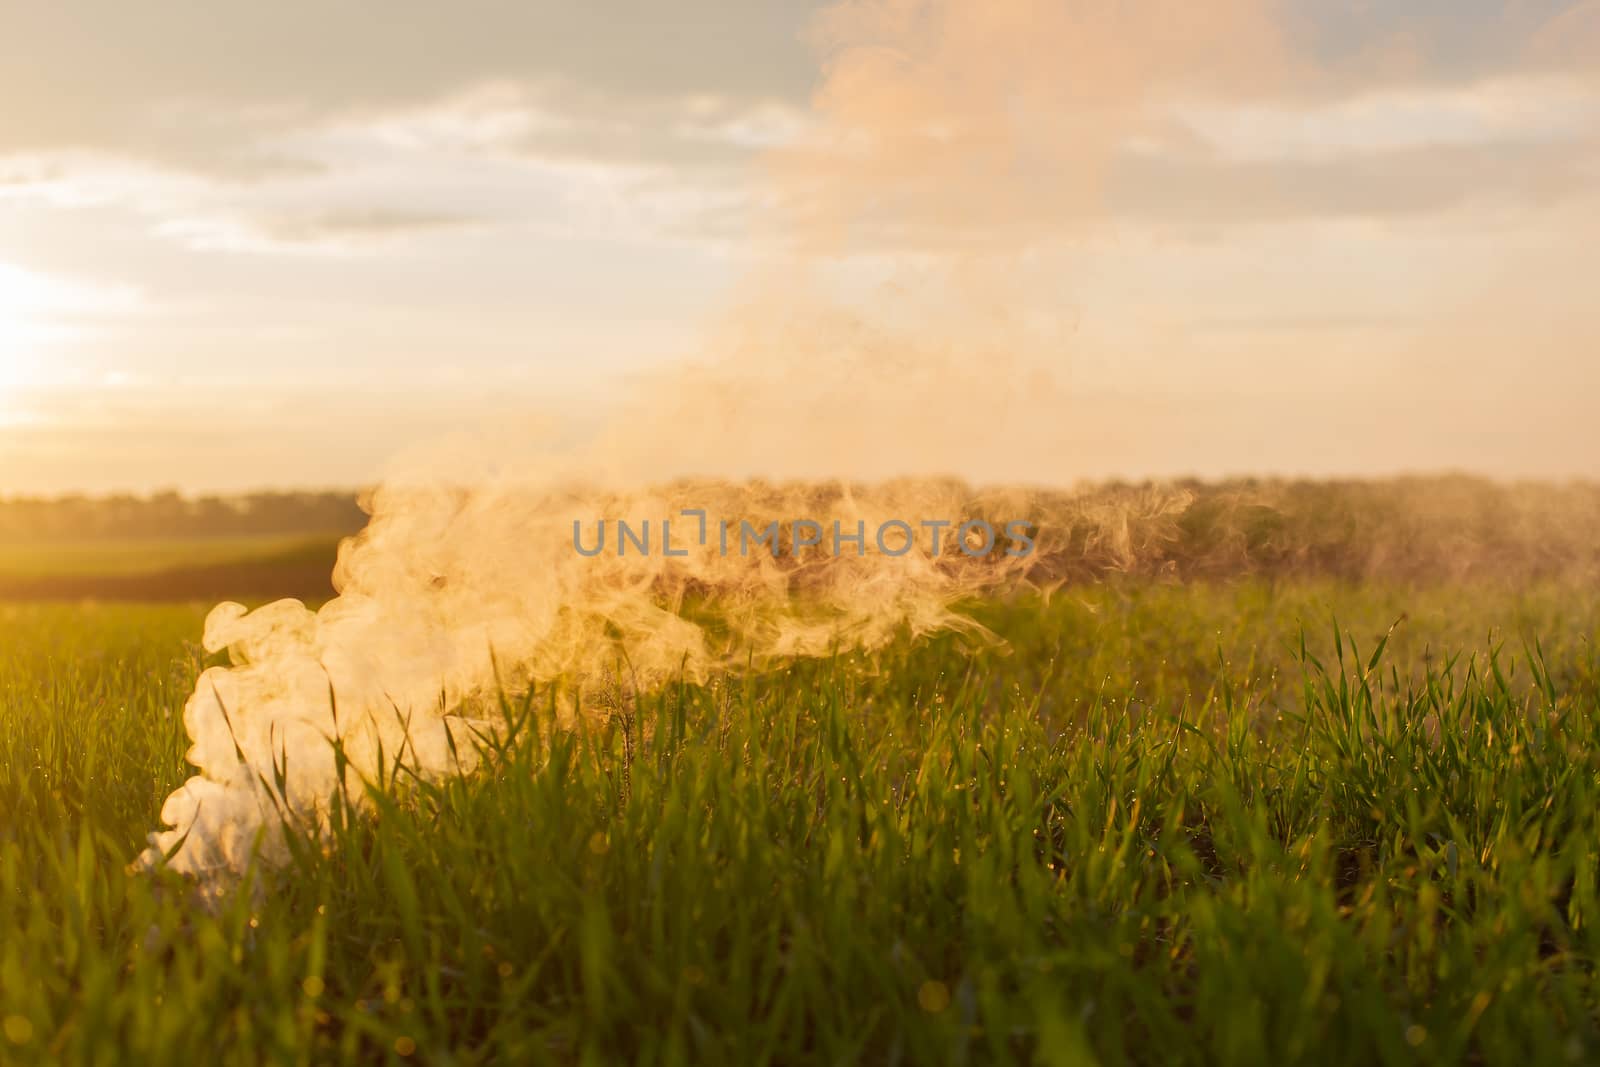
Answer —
(1426, 43)
(144, 79)
(349, 128)
(561, 161)
(1200, 189)
(363, 224)
(1508, 143)
(1507, 111)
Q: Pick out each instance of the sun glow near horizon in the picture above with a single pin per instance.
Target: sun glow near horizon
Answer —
(16, 330)
(27, 302)
(38, 313)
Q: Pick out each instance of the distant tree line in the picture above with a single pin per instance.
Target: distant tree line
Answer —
(1413, 528)
(172, 514)
(1409, 528)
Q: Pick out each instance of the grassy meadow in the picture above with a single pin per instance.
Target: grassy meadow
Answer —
(1245, 821)
(253, 569)
(145, 556)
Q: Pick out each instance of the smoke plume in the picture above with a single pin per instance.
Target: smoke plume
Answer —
(894, 336)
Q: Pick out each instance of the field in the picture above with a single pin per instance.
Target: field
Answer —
(249, 568)
(1259, 820)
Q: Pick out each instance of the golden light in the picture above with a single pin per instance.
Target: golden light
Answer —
(38, 313)
(25, 299)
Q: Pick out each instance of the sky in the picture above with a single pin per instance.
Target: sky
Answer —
(247, 245)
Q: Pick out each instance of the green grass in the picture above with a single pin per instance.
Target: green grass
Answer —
(255, 569)
(1161, 824)
(102, 557)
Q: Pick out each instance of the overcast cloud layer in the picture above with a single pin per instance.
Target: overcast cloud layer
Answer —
(1347, 238)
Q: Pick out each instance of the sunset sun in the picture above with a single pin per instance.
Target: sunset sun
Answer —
(24, 298)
